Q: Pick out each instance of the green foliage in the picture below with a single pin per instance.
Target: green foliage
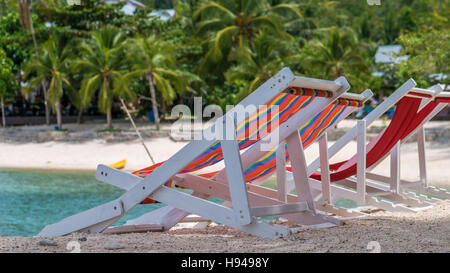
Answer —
(221, 50)
(264, 59)
(51, 64)
(231, 27)
(8, 84)
(102, 64)
(15, 41)
(429, 53)
(333, 53)
(156, 57)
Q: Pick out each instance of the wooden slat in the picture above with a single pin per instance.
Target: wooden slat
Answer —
(194, 219)
(134, 229)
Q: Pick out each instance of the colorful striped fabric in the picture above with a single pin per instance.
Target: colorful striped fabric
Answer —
(299, 91)
(264, 121)
(260, 124)
(348, 102)
(308, 132)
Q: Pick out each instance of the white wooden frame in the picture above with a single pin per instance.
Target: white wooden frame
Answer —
(326, 205)
(420, 187)
(169, 217)
(241, 215)
(361, 189)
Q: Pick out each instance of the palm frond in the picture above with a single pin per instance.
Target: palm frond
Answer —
(212, 8)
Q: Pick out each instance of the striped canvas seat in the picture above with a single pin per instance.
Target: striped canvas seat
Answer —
(407, 118)
(264, 121)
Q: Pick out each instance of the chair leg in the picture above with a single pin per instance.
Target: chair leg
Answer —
(281, 172)
(235, 173)
(361, 163)
(422, 156)
(324, 169)
(395, 168)
(299, 170)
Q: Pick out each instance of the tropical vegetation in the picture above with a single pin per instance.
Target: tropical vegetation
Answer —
(86, 58)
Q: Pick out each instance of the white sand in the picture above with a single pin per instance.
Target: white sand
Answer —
(87, 155)
(427, 231)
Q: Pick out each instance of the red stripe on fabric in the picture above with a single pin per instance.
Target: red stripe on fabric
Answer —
(336, 166)
(405, 114)
(420, 117)
(443, 100)
(420, 94)
(150, 168)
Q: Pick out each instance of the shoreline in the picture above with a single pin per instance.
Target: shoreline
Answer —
(7, 168)
(85, 157)
(435, 131)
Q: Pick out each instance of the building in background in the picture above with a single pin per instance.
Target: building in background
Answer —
(387, 55)
(130, 7)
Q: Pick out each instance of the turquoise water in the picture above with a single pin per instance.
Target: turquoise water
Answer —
(30, 200)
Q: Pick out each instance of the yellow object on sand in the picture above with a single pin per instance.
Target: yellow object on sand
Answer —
(119, 164)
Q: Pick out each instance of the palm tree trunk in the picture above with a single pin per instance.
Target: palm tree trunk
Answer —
(58, 114)
(3, 113)
(27, 22)
(153, 95)
(108, 118)
(80, 116)
(47, 109)
(44, 87)
(108, 112)
(30, 22)
(163, 109)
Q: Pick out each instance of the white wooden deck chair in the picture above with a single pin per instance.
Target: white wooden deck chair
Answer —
(242, 215)
(285, 182)
(168, 216)
(414, 189)
(358, 187)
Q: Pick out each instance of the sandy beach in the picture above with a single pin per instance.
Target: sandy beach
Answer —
(427, 231)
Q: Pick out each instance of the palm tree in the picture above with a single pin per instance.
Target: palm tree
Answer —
(51, 63)
(336, 53)
(103, 66)
(78, 98)
(6, 82)
(155, 59)
(25, 19)
(234, 24)
(266, 59)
